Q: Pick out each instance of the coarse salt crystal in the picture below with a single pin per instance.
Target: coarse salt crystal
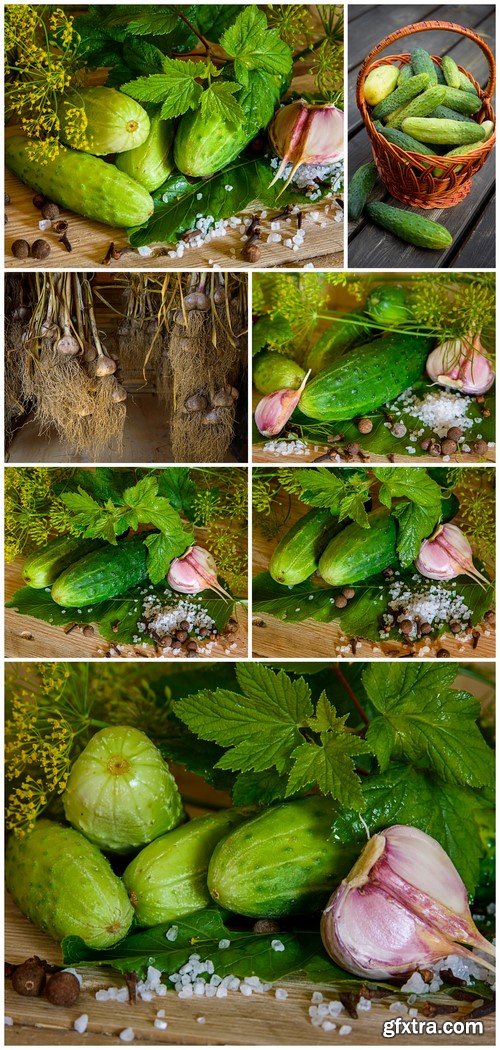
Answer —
(8, 1020)
(81, 1023)
(127, 1035)
(224, 943)
(277, 946)
(281, 993)
(171, 933)
(345, 1029)
(145, 251)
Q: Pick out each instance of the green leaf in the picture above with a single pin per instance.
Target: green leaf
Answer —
(325, 716)
(259, 788)
(273, 331)
(116, 619)
(352, 505)
(415, 524)
(176, 88)
(142, 57)
(412, 482)
(217, 102)
(152, 21)
(330, 766)
(162, 549)
(321, 488)
(176, 484)
(93, 521)
(254, 46)
(261, 728)
(404, 795)
(425, 721)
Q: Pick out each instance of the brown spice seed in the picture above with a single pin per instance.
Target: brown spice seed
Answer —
(425, 628)
(365, 426)
(340, 601)
(454, 433)
(39, 200)
(442, 654)
(448, 447)
(266, 926)
(184, 625)
(29, 978)
(50, 211)
(480, 447)
(434, 449)
(348, 592)
(406, 626)
(40, 248)
(62, 989)
(490, 616)
(425, 444)
(20, 249)
(455, 627)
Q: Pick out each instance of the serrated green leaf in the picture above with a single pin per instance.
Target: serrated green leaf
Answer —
(153, 20)
(330, 766)
(163, 547)
(352, 505)
(217, 102)
(254, 46)
(274, 331)
(432, 725)
(176, 89)
(321, 488)
(260, 788)
(415, 524)
(412, 482)
(325, 716)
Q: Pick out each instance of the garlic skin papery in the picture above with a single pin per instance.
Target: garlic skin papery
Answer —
(274, 410)
(402, 906)
(193, 572)
(462, 365)
(305, 133)
(446, 554)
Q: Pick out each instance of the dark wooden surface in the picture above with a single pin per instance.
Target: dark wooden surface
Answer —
(471, 222)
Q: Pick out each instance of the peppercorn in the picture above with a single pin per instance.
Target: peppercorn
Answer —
(39, 200)
(434, 449)
(455, 627)
(406, 626)
(62, 989)
(176, 644)
(388, 573)
(29, 978)
(184, 625)
(166, 640)
(6, 198)
(182, 636)
(192, 646)
(425, 444)
(490, 616)
(425, 628)
(348, 592)
(266, 926)
(398, 430)
(480, 447)
(340, 601)
(20, 249)
(50, 211)
(40, 249)
(251, 253)
(448, 447)
(442, 654)
(454, 433)
(365, 426)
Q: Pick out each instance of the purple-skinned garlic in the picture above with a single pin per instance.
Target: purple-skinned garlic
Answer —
(462, 365)
(402, 906)
(447, 554)
(306, 133)
(193, 572)
(274, 410)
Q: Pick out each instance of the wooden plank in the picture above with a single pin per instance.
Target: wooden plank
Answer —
(479, 240)
(284, 641)
(238, 1021)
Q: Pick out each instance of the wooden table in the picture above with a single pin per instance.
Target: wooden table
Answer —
(472, 222)
(285, 641)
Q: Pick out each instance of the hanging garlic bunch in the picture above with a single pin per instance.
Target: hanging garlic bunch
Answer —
(446, 554)
(274, 410)
(462, 365)
(402, 906)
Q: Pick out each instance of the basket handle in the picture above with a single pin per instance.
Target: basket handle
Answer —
(423, 27)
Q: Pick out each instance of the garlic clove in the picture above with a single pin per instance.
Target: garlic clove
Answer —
(447, 554)
(274, 410)
(462, 365)
(104, 366)
(306, 133)
(194, 571)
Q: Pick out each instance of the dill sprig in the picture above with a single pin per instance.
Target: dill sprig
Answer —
(32, 510)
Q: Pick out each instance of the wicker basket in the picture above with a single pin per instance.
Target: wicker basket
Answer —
(408, 176)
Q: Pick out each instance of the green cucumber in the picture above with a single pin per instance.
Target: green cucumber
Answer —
(44, 566)
(439, 72)
(379, 83)
(467, 85)
(360, 187)
(400, 96)
(461, 101)
(461, 151)
(451, 72)
(358, 553)
(81, 182)
(114, 122)
(444, 112)
(424, 233)
(443, 132)
(344, 334)
(272, 371)
(421, 62)
(104, 574)
(367, 377)
(152, 162)
(404, 74)
(297, 555)
(387, 305)
(418, 107)
(398, 138)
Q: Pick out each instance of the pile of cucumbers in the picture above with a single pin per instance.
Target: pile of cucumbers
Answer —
(424, 108)
(81, 573)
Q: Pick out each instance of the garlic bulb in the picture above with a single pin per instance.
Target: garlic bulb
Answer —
(307, 133)
(402, 906)
(274, 410)
(446, 554)
(462, 365)
(193, 572)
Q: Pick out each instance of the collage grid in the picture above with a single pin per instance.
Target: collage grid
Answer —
(250, 524)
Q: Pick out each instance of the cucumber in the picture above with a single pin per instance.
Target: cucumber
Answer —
(451, 72)
(152, 162)
(401, 95)
(379, 83)
(297, 555)
(404, 74)
(44, 566)
(101, 575)
(83, 183)
(342, 335)
(424, 233)
(418, 107)
(282, 862)
(367, 377)
(387, 305)
(461, 101)
(114, 122)
(443, 132)
(398, 138)
(439, 72)
(360, 187)
(467, 85)
(358, 553)
(444, 112)
(421, 62)
(461, 151)
(272, 371)
(168, 878)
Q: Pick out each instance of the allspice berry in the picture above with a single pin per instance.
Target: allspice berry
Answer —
(434, 449)
(454, 433)
(406, 626)
(62, 989)
(29, 978)
(20, 249)
(340, 602)
(398, 430)
(448, 447)
(50, 211)
(39, 200)
(251, 253)
(266, 926)
(348, 592)
(442, 654)
(490, 616)
(425, 628)
(425, 444)
(365, 426)
(40, 249)
(480, 447)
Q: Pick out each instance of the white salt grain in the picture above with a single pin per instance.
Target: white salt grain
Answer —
(81, 1023)
(281, 993)
(345, 1029)
(159, 1023)
(277, 946)
(128, 1035)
